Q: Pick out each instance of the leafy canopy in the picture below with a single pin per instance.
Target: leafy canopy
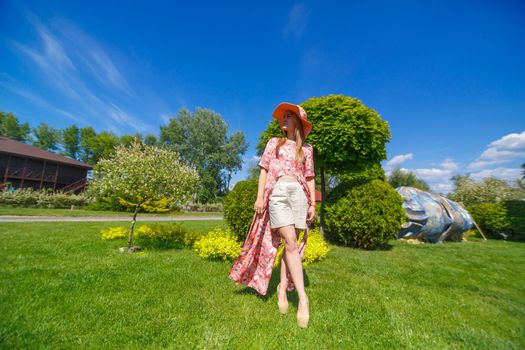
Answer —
(490, 190)
(201, 138)
(140, 173)
(346, 134)
(46, 137)
(12, 128)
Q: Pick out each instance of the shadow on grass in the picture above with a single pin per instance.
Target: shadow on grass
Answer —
(272, 288)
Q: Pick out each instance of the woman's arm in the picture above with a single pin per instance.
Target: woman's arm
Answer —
(311, 208)
(311, 186)
(259, 203)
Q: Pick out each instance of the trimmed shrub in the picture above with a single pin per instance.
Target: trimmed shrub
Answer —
(362, 175)
(516, 219)
(316, 248)
(218, 245)
(365, 216)
(238, 207)
(112, 233)
(172, 235)
(491, 217)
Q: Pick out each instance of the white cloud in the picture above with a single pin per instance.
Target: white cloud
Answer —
(443, 187)
(449, 164)
(399, 159)
(508, 174)
(504, 150)
(296, 22)
(437, 177)
(434, 174)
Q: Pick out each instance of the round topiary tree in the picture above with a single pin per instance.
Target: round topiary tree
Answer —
(364, 216)
(348, 137)
(238, 207)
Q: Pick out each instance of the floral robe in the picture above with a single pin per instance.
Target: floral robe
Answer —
(254, 266)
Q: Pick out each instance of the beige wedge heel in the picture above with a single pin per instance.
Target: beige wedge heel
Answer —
(303, 317)
(283, 306)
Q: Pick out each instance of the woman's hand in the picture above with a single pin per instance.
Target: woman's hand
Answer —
(259, 206)
(311, 214)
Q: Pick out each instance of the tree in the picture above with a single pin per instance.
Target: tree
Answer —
(87, 136)
(12, 128)
(95, 146)
(523, 171)
(490, 190)
(150, 140)
(46, 137)
(141, 174)
(126, 140)
(71, 142)
(399, 178)
(201, 140)
(233, 150)
(346, 135)
(253, 170)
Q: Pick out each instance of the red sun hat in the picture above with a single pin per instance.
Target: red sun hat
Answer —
(298, 110)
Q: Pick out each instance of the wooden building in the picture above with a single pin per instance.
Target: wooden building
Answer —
(23, 166)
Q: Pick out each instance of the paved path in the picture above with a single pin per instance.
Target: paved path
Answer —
(12, 218)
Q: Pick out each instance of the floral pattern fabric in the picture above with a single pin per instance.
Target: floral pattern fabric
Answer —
(254, 266)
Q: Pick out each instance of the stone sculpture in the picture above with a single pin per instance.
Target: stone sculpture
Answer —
(431, 217)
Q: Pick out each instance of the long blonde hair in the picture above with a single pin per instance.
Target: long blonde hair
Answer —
(299, 139)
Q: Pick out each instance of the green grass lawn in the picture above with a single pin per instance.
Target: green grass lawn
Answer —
(62, 287)
(5, 210)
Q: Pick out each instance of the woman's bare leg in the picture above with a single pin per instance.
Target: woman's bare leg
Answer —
(284, 270)
(293, 263)
(284, 278)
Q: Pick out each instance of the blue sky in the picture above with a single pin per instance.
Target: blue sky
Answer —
(448, 76)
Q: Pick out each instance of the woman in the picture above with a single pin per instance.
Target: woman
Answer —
(285, 205)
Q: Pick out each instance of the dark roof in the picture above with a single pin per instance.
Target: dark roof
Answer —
(10, 146)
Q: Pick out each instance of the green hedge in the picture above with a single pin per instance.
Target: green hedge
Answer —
(516, 218)
(491, 217)
(29, 198)
(364, 216)
(238, 207)
(507, 217)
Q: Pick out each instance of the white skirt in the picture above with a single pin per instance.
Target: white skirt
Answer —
(288, 204)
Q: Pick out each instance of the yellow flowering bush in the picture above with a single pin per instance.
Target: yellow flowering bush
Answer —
(148, 232)
(113, 233)
(316, 248)
(150, 206)
(166, 235)
(218, 245)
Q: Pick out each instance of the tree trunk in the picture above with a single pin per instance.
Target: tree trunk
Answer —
(130, 237)
(323, 196)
